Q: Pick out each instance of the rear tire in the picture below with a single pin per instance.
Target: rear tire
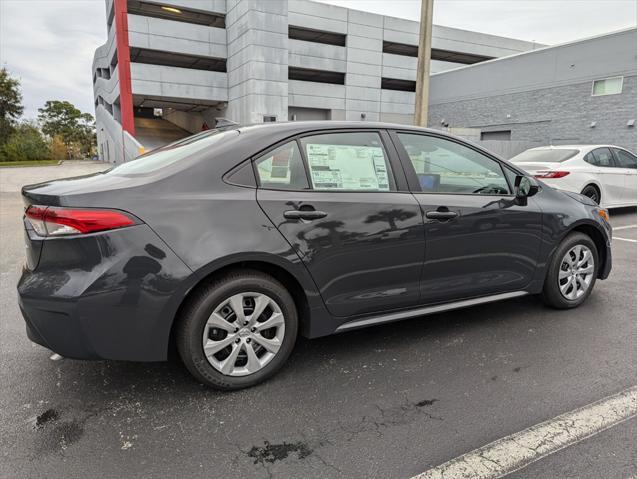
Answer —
(241, 350)
(572, 273)
(593, 193)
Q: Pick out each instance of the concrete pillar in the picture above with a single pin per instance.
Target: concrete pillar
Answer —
(257, 37)
(364, 66)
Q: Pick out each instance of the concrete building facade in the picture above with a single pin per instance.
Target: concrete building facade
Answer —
(578, 92)
(173, 67)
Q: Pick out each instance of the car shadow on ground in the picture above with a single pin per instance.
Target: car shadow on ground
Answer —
(109, 379)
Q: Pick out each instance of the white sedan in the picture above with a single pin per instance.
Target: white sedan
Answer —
(607, 174)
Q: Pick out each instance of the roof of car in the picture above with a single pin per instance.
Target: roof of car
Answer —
(332, 125)
(572, 147)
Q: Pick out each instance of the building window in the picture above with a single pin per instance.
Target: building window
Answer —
(269, 118)
(501, 135)
(178, 14)
(436, 54)
(316, 36)
(608, 86)
(320, 76)
(457, 57)
(400, 49)
(180, 60)
(395, 84)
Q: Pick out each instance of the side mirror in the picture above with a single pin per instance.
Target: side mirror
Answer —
(525, 187)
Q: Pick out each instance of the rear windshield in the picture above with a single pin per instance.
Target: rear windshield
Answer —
(544, 156)
(169, 154)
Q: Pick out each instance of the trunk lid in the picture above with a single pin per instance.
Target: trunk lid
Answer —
(76, 191)
(532, 167)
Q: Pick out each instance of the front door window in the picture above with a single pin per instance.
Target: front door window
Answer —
(443, 166)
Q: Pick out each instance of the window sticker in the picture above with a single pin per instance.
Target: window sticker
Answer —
(281, 165)
(347, 167)
(276, 168)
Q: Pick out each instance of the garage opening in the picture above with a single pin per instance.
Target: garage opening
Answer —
(308, 114)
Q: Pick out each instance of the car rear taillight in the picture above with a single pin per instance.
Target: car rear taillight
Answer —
(551, 174)
(55, 221)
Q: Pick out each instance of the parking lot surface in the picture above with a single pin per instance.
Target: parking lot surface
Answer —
(384, 402)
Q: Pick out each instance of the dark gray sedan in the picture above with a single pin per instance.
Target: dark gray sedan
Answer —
(230, 243)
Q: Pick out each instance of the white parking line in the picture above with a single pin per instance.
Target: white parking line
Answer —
(624, 239)
(518, 450)
(618, 228)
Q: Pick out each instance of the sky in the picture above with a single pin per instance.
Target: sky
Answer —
(49, 44)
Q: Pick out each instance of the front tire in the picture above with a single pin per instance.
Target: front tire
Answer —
(238, 330)
(572, 273)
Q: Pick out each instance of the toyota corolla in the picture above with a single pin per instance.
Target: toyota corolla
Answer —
(229, 244)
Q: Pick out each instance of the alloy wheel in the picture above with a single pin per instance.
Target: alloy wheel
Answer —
(576, 272)
(243, 334)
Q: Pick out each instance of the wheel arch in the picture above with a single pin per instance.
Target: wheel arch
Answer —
(595, 184)
(594, 232)
(292, 276)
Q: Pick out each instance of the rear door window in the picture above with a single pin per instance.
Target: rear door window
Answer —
(625, 159)
(282, 168)
(601, 157)
(355, 161)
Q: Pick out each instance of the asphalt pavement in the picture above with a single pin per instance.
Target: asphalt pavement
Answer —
(385, 402)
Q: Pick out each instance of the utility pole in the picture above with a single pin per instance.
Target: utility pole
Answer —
(424, 60)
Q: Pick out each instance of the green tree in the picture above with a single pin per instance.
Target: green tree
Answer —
(64, 120)
(25, 143)
(10, 104)
(57, 149)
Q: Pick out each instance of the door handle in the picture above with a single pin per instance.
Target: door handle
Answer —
(441, 215)
(304, 214)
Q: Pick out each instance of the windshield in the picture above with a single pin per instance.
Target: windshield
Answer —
(169, 154)
(545, 156)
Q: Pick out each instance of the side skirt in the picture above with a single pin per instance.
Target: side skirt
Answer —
(438, 308)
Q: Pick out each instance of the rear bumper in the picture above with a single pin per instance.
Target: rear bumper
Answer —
(104, 296)
(56, 327)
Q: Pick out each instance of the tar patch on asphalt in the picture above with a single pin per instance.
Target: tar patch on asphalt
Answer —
(426, 402)
(43, 419)
(271, 453)
(55, 435)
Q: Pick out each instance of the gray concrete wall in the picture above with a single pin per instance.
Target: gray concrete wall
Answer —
(183, 84)
(176, 37)
(257, 36)
(190, 121)
(108, 130)
(114, 145)
(545, 96)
